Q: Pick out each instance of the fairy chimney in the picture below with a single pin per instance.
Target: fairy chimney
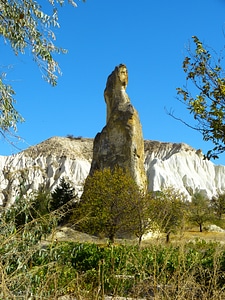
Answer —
(120, 143)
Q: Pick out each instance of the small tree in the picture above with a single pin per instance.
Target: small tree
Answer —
(34, 207)
(200, 211)
(168, 211)
(109, 203)
(142, 222)
(62, 195)
(41, 201)
(218, 205)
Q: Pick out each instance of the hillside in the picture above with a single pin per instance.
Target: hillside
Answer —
(166, 164)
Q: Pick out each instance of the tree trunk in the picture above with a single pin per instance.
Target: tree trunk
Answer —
(168, 237)
(111, 238)
(139, 240)
(200, 227)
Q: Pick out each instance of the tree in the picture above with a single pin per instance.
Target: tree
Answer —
(168, 211)
(109, 202)
(24, 25)
(218, 205)
(62, 195)
(34, 207)
(142, 221)
(200, 211)
(41, 200)
(206, 74)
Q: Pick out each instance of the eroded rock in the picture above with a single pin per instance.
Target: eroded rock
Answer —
(120, 142)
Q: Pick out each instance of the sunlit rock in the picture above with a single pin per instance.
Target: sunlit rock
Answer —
(120, 142)
(166, 164)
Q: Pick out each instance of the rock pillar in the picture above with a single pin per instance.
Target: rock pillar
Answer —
(120, 142)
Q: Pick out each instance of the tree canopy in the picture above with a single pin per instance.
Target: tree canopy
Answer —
(203, 68)
(110, 203)
(200, 211)
(25, 26)
(168, 211)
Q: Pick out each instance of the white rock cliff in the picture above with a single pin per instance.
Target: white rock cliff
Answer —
(166, 164)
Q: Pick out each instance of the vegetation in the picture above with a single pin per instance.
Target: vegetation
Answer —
(63, 197)
(25, 26)
(62, 194)
(110, 204)
(33, 267)
(168, 211)
(206, 74)
(218, 205)
(200, 211)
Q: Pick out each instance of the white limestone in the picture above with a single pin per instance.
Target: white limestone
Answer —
(182, 167)
(166, 164)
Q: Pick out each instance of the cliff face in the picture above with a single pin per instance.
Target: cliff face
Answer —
(181, 166)
(166, 164)
(44, 165)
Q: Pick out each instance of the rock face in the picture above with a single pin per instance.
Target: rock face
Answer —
(181, 166)
(166, 164)
(120, 142)
(44, 165)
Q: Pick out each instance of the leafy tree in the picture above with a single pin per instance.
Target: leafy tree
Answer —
(109, 203)
(200, 211)
(40, 206)
(142, 221)
(168, 211)
(25, 26)
(63, 194)
(218, 205)
(34, 207)
(206, 74)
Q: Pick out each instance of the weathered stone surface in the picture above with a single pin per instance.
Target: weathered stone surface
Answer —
(44, 165)
(120, 142)
(167, 164)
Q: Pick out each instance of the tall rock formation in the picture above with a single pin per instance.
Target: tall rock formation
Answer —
(120, 142)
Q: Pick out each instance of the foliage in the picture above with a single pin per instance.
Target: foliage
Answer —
(35, 207)
(142, 222)
(18, 244)
(168, 210)
(9, 117)
(63, 197)
(40, 203)
(185, 270)
(63, 193)
(25, 26)
(207, 76)
(33, 267)
(200, 211)
(218, 204)
(109, 203)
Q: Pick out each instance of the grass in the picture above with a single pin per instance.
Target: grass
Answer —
(91, 270)
(67, 262)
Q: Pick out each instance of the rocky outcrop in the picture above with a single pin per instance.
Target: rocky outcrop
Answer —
(166, 164)
(44, 165)
(120, 142)
(181, 166)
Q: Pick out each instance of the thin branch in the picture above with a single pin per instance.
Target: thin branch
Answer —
(180, 120)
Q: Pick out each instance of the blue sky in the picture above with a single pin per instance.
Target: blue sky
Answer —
(149, 36)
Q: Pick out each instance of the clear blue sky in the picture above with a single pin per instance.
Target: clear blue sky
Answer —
(149, 36)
